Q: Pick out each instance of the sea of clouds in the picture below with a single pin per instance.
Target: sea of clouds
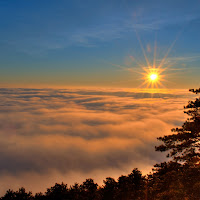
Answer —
(55, 135)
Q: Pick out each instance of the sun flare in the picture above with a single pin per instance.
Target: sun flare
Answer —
(153, 77)
(153, 71)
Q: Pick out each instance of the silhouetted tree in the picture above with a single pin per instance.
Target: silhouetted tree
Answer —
(109, 190)
(10, 194)
(191, 181)
(138, 182)
(131, 186)
(175, 181)
(165, 182)
(124, 188)
(179, 179)
(89, 190)
(21, 194)
(39, 196)
(74, 192)
(58, 192)
(184, 146)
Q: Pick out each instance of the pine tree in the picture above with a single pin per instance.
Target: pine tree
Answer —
(184, 144)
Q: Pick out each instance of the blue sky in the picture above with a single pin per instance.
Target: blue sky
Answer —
(82, 43)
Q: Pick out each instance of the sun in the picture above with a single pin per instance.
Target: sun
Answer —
(152, 71)
(153, 77)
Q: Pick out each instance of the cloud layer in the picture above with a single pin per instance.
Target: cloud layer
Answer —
(50, 135)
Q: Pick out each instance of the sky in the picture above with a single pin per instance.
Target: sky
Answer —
(75, 96)
(92, 43)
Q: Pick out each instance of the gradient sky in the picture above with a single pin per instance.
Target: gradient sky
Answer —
(82, 43)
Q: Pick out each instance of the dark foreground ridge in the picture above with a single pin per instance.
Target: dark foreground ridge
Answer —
(178, 179)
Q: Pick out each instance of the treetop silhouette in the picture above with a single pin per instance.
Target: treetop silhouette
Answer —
(184, 146)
